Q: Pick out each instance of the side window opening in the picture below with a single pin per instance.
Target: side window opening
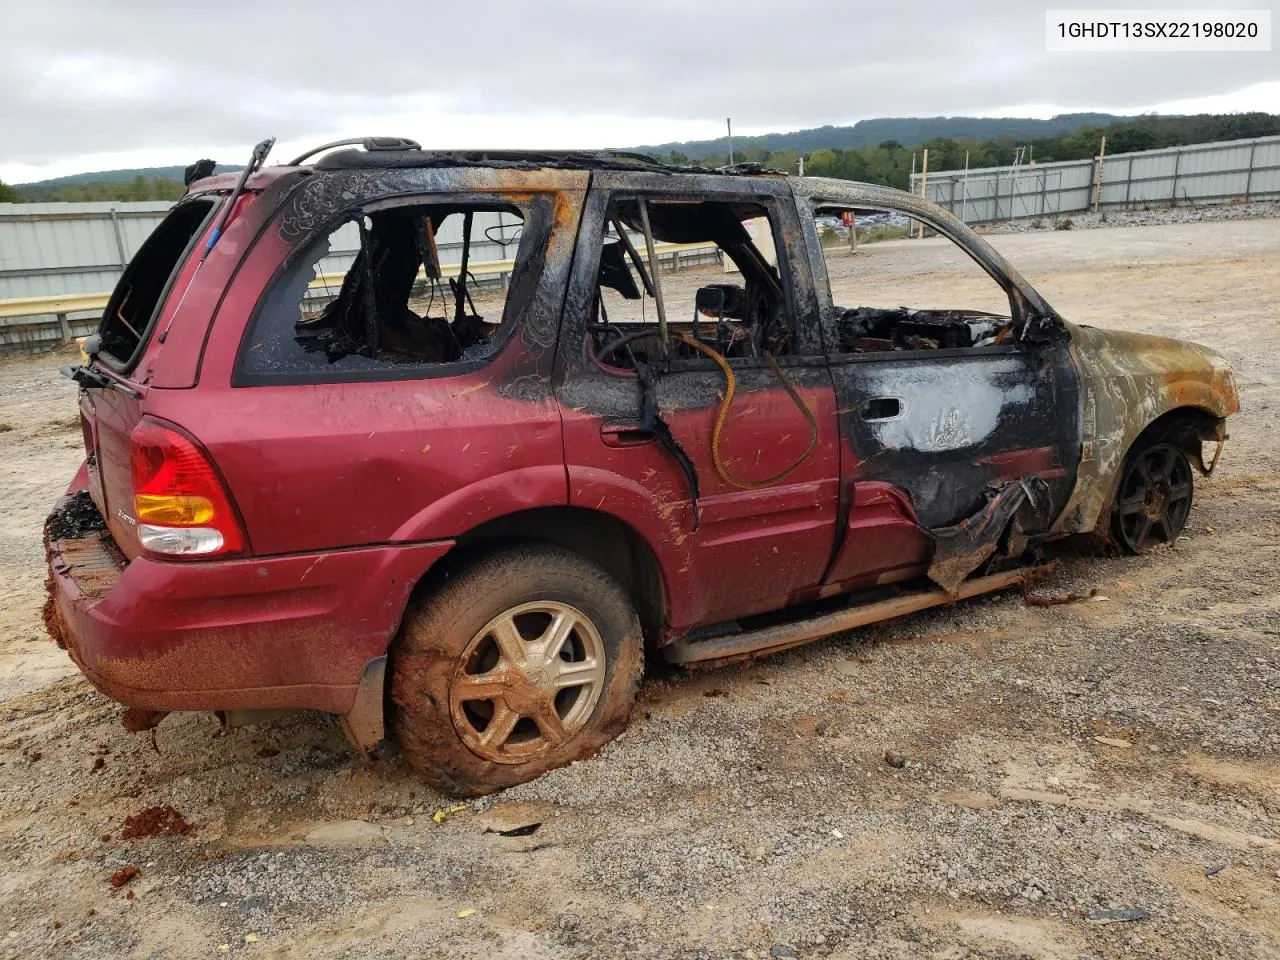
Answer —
(733, 300)
(419, 286)
(907, 287)
(126, 323)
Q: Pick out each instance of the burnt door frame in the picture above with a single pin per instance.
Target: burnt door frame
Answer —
(781, 535)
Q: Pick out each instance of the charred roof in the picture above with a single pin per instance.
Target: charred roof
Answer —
(400, 156)
(392, 153)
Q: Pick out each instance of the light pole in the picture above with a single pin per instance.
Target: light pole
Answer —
(728, 122)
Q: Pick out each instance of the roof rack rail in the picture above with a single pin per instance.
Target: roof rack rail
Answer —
(371, 144)
(634, 155)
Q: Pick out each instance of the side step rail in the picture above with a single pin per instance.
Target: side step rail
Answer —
(787, 635)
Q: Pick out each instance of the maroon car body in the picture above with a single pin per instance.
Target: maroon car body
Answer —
(352, 489)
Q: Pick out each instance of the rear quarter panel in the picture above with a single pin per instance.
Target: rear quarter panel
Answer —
(315, 466)
(319, 466)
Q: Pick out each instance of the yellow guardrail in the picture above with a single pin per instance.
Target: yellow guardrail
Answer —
(481, 268)
(497, 268)
(62, 305)
(97, 302)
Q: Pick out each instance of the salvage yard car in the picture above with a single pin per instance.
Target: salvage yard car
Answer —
(415, 437)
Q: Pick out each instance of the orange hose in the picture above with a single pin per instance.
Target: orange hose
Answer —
(731, 385)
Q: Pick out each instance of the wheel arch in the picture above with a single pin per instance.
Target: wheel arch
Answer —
(605, 540)
(608, 541)
(1186, 427)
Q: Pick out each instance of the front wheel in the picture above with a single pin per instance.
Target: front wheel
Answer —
(1154, 498)
(525, 661)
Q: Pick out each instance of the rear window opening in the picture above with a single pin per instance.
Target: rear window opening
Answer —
(408, 286)
(135, 304)
(738, 306)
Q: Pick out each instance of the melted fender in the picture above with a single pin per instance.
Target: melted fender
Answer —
(1127, 380)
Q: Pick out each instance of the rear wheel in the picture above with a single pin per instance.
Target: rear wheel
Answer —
(1154, 498)
(527, 660)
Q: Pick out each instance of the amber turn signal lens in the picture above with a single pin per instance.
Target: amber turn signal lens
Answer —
(172, 510)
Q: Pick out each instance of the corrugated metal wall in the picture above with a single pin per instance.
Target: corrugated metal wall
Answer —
(48, 249)
(1199, 173)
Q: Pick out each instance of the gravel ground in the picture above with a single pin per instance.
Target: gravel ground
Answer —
(1139, 218)
(1048, 763)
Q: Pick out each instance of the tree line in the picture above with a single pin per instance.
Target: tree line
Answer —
(890, 163)
(139, 188)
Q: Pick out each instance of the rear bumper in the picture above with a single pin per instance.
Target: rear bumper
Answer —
(279, 632)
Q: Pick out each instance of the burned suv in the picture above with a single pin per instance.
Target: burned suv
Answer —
(443, 442)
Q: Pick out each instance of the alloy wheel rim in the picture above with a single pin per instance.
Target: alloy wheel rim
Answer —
(1155, 497)
(528, 682)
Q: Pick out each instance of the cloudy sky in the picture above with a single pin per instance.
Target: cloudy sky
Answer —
(89, 85)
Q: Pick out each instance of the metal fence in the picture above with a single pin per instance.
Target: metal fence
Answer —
(1196, 174)
(47, 249)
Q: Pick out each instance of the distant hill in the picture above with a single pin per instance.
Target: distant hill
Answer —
(907, 131)
(110, 176)
(136, 183)
(873, 151)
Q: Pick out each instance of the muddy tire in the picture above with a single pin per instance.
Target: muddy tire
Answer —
(1153, 500)
(525, 661)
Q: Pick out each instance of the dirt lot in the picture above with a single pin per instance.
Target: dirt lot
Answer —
(1109, 754)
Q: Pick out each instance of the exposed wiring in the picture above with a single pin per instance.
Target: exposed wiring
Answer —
(726, 403)
(501, 240)
(120, 313)
(432, 283)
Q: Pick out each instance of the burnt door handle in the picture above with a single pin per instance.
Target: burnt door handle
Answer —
(881, 408)
(625, 433)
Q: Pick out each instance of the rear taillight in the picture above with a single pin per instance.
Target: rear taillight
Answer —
(179, 501)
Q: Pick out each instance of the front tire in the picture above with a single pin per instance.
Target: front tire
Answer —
(1153, 500)
(525, 661)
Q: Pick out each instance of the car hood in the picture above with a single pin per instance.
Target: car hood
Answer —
(1188, 374)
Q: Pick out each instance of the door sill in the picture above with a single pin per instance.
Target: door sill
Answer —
(732, 647)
